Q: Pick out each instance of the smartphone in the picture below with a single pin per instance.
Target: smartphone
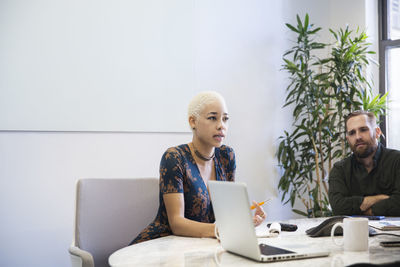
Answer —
(390, 243)
(373, 217)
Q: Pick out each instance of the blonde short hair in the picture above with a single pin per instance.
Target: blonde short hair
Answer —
(198, 102)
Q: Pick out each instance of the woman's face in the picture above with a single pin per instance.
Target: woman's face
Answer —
(211, 125)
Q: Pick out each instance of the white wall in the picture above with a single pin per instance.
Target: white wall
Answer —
(238, 52)
(95, 64)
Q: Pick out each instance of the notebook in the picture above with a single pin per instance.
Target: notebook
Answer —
(386, 225)
(237, 232)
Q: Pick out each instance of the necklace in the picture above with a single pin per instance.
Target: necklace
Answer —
(198, 154)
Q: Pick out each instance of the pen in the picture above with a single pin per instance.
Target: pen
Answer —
(260, 203)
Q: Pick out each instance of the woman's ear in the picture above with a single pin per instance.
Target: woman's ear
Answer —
(192, 122)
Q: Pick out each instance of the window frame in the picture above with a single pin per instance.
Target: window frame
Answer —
(384, 45)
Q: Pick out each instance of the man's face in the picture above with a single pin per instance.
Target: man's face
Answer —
(361, 135)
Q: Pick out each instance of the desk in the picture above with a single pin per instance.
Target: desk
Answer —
(186, 251)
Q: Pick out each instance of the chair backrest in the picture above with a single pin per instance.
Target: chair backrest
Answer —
(111, 212)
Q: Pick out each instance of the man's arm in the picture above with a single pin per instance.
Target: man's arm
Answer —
(369, 201)
(389, 206)
(388, 183)
(340, 196)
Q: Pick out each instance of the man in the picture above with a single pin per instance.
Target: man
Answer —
(367, 182)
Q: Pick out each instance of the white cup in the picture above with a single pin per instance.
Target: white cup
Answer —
(355, 234)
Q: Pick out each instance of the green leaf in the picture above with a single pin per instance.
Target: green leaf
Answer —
(299, 23)
(291, 27)
(334, 34)
(300, 212)
(306, 22)
(315, 30)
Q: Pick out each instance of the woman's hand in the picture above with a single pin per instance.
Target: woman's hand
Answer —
(259, 215)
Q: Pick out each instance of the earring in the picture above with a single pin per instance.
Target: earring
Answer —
(194, 128)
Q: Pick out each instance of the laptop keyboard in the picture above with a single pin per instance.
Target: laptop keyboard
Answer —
(270, 250)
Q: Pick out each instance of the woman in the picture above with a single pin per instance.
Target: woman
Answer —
(185, 206)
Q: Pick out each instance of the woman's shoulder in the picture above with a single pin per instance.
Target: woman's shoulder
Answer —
(184, 148)
(226, 148)
(226, 152)
(176, 151)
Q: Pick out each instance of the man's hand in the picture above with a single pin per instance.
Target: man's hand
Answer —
(369, 201)
(368, 212)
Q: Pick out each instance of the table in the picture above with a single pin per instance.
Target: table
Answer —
(185, 251)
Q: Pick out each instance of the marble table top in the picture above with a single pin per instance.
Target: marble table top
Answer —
(185, 251)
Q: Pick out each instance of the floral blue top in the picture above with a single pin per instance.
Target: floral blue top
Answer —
(179, 174)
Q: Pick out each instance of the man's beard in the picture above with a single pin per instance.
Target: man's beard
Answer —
(364, 153)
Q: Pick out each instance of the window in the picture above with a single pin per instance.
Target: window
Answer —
(389, 57)
(394, 20)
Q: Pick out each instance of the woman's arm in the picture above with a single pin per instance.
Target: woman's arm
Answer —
(175, 206)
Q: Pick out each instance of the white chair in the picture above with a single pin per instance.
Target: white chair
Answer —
(109, 214)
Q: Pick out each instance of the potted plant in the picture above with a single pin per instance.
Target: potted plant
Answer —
(322, 92)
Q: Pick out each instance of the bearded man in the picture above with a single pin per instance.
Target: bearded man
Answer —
(367, 182)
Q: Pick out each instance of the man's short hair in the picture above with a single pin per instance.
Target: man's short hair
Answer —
(370, 116)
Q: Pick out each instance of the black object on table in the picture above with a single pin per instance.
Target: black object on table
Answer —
(286, 227)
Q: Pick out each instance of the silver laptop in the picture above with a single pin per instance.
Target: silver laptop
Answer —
(237, 232)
